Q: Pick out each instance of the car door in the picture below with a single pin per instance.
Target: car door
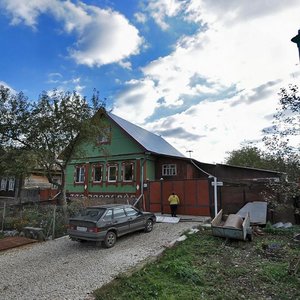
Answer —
(120, 220)
(107, 221)
(136, 219)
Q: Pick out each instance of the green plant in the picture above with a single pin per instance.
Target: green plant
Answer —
(204, 267)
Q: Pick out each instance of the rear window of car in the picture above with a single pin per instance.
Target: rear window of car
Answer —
(92, 213)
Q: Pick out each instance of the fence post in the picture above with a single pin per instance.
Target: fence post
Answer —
(53, 228)
(3, 217)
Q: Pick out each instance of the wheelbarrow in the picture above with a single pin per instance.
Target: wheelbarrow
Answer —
(232, 227)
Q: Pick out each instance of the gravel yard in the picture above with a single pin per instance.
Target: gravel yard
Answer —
(62, 269)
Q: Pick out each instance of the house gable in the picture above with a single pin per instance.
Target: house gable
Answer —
(115, 143)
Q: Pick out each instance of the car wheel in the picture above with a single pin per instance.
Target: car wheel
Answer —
(110, 239)
(149, 225)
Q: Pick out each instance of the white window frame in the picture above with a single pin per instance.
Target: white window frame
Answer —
(169, 170)
(11, 184)
(3, 184)
(109, 173)
(81, 174)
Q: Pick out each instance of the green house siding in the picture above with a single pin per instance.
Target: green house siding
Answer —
(150, 169)
(121, 150)
(120, 144)
(104, 185)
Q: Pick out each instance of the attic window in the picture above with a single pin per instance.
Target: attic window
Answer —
(169, 170)
(105, 136)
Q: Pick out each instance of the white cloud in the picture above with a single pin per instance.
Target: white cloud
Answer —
(25, 11)
(231, 12)
(79, 88)
(221, 126)
(241, 49)
(54, 77)
(60, 83)
(137, 102)
(140, 17)
(246, 55)
(104, 36)
(160, 9)
(107, 39)
(244, 49)
(125, 64)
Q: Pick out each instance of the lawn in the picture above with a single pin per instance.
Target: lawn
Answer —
(207, 267)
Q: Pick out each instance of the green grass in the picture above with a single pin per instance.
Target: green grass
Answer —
(207, 267)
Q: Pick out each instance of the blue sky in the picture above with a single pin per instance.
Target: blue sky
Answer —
(203, 74)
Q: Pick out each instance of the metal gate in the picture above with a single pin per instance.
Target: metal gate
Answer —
(193, 194)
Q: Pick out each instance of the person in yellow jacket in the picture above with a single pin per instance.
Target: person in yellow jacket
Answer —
(174, 201)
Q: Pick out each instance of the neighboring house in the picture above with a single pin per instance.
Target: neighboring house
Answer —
(130, 162)
(34, 187)
(7, 186)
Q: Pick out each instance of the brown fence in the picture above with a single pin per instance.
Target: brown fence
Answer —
(193, 194)
(234, 195)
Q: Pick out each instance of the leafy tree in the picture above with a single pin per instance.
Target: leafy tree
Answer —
(282, 146)
(47, 131)
(248, 156)
(282, 140)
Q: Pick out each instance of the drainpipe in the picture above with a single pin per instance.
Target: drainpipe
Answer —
(144, 159)
(142, 183)
(215, 186)
(216, 196)
(142, 175)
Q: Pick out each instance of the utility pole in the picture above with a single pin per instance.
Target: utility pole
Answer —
(296, 40)
(190, 151)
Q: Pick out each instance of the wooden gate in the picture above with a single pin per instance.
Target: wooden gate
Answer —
(193, 194)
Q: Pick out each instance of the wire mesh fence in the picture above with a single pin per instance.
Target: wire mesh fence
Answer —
(52, 219)
(46, 215)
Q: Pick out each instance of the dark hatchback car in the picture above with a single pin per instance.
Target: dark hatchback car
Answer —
(104, 223)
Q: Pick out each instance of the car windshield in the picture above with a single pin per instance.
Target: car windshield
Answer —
(92, 213)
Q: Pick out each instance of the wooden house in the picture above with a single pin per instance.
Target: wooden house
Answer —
(33, 188)
(132, 163)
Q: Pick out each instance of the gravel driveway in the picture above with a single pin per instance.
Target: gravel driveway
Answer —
(62, 269)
